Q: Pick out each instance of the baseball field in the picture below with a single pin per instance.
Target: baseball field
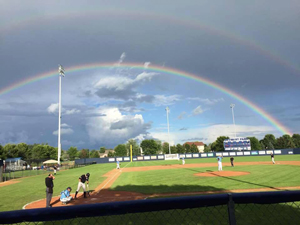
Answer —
(154, 179)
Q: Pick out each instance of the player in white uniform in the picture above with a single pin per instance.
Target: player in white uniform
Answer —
(183, 162)
(219, 158)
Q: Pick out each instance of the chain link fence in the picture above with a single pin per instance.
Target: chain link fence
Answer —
(243, 208)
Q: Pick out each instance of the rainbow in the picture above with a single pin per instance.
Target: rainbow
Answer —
(175, 72)
(20, 23)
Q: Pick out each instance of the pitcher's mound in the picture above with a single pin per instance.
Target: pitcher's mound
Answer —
(222, 174)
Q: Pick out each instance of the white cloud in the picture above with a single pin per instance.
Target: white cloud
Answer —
(53, 108)
(146, 65)
(209, 134)
(64, 131)
(72, 111)
(206, 100)
(180, 117)
(65, 125)
(115, 128)
(160, 100)
(198, 110)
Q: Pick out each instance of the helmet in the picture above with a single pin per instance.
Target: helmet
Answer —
(69, 188)
(88, 175)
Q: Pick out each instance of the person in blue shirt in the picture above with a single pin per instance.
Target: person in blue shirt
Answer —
(219, 158)
(118, 164)
(65, 196)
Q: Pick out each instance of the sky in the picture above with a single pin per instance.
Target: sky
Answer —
(250, 49)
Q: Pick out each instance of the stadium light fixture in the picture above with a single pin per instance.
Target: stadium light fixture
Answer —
(232, 106)
(61, 72)
(168, 111)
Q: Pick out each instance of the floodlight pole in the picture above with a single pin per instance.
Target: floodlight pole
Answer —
(168, 110)
(61, 72)
(232, 106)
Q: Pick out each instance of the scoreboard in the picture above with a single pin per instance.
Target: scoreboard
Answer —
(238, 144)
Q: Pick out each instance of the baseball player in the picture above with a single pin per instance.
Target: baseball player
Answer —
(49, 189)
(54, 168)
(219, 158)
(183, 162)
(118, 164)
(65, 196)
(87, 183)
(231, 161)
(82, 180)
(272, 157)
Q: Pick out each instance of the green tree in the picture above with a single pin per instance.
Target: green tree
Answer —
(135, 147)
(165, 148)
(173, 149)
(11, 150)
(263, 147)
(218, 146)
(269, 141)
(187, 148)
(255, 145)
(110, 154)
(23, 151)
(296, 140)
(120, 150)
(3, 153)
(180, 148)
(94, 154)
(159, 147)
(102, 149)
(83, 154)
(149, 147)
(286, 141)
(65, 156)
(72, 151)
(207, 148)
(194, 149)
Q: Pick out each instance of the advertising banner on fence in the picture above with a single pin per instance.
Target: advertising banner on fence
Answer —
(277, 152)
(161, 157)
(171, 156)
(203, 155)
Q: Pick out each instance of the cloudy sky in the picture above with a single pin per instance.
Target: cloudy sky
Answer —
(251, 48)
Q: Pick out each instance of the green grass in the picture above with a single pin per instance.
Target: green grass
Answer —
(213, 160)
(15, 196)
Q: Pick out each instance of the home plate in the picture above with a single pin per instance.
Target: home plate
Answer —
(93, 199)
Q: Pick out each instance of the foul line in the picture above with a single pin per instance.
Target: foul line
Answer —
(112, 178)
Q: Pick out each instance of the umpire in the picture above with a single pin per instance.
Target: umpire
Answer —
(82, 179)
(49, 189)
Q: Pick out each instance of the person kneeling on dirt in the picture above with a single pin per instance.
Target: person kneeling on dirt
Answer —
(65, 196)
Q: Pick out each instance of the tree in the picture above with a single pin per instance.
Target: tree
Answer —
(180, 148)
(11, 150)
(207, 148)
(194, 149)
(296, 140)
(263, 147)
(269, 141)
(121, 150)
(3, 153)
(187, 148)
(173, 149)
(72, 153)
(65, 156)
(83, 154)
(110, 154)
(23, 151)
(218, 146)
(94, 154)
(135, 147)
(102, 149)
(159, 147)
(165, 148)
(255, 145)
(149, 147)
(286, 141)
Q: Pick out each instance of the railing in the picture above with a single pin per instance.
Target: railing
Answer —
(233, 208)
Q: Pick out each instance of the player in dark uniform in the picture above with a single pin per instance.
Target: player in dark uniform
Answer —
(231, 161)
(81, 184)
(87, 183)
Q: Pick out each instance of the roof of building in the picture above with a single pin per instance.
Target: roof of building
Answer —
(197, 143)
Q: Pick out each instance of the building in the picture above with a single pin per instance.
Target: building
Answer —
(199, 144)
(105, 154)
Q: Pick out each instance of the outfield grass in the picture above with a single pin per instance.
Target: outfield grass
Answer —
(213, 160)
(15, 196)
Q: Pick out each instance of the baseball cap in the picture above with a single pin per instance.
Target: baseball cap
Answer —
(69, 188)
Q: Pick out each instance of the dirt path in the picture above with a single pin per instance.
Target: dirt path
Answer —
(9, 182)
(103, 194)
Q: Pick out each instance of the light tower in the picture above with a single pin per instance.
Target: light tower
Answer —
(61, 72)
(232, 106)
(168, 111)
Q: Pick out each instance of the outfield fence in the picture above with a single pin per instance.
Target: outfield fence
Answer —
(278, 207)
